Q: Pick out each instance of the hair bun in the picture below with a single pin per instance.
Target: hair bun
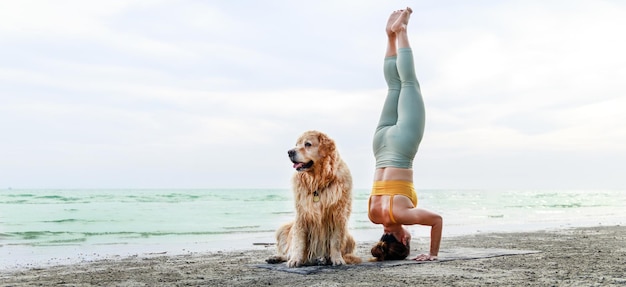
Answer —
(389, 248)
(379, 250)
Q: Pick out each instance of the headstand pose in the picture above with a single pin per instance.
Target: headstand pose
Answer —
(393, 201)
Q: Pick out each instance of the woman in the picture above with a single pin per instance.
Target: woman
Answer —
(393, 202)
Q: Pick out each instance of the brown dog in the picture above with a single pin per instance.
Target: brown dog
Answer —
(322, 188)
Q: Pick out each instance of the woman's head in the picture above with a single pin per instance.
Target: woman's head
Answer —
(389, 248)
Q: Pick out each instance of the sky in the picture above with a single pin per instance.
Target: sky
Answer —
(212, 94)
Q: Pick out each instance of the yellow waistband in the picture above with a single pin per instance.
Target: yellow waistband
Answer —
(394, 187)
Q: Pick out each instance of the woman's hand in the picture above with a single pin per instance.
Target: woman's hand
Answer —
(425, 257)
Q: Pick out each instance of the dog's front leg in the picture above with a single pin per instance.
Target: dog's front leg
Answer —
(335, 248)
(298, 247)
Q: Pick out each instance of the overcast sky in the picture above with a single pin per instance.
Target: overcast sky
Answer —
(212, 94)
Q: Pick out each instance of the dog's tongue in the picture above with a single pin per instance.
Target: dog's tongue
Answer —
(298, 165)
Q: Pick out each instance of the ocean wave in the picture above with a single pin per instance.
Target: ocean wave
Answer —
(269, 197)
(555, 205)
(19, 195)
(66, 236)
(78, 220)
(281, 212)
(241, 227)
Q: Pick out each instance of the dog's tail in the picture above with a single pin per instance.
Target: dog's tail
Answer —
(351, 259)
(348, 248)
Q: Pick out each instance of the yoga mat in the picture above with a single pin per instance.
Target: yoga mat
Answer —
(444, 255)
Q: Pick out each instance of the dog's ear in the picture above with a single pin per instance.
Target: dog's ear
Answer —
(326, 145)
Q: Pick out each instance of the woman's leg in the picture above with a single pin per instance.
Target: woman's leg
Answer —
(391, 35)
(398, 27)
(389, 114)
(410, 108)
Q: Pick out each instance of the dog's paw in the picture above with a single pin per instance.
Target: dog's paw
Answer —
(294, 263)
(338, 261)
(275, 260)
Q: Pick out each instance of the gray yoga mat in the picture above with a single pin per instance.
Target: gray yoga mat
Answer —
(444, 255)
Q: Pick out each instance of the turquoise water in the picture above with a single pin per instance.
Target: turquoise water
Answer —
(63, 223)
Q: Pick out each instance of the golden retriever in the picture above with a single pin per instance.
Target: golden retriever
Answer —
(322, 187)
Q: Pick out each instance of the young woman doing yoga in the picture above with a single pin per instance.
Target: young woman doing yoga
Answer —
(393, 201)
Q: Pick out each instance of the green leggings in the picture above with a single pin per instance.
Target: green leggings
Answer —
(401, 125)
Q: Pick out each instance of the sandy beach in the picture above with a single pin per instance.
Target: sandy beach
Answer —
(592, 256)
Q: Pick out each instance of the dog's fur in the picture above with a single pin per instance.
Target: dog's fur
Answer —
(319, 234)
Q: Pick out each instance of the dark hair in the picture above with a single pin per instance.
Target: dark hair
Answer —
(389, 248)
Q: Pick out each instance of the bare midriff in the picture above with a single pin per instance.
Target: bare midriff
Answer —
(393, 173)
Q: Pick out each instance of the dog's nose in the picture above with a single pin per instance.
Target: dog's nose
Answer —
(291, 152)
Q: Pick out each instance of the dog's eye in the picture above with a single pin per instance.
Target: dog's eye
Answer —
(307, 144)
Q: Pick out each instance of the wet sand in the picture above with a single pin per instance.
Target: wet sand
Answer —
(593, 256)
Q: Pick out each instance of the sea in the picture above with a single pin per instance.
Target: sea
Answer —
(42, 227)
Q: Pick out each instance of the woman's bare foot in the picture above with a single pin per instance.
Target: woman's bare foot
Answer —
(400, 24)
(392, 19)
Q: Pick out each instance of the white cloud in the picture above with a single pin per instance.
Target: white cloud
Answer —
(540, 78)
(58, 18)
